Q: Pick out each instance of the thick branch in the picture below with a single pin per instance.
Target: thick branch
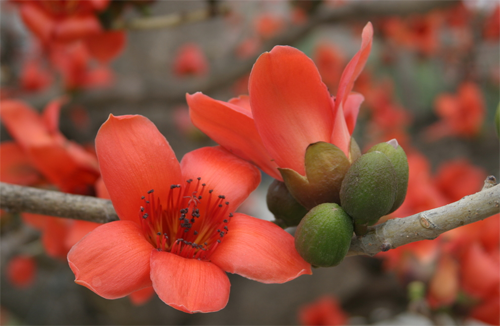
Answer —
(429, 224)
(389, 235)
(31, 200)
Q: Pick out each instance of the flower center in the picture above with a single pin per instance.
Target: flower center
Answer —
(191, 222)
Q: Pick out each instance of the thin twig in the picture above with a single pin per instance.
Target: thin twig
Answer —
(168, 21)
(389, 235)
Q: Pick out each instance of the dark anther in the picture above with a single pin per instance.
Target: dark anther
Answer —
(225, 228)
(199, 197)
(225, 221)
(203, 184)
(159, 233)
(220, 205)
(210, 191)
(142, 209)
(206, 244)
(230, 214)
(143, 197)
(152, 190)
(147, 201)
(189, 181)
(195, 232)
(165, 234)
(145, 215)
(192, 220)
(218, 230)
(173, 186)
(221, 234)
(218, 241)
(227, 203)
(186, 230)
(199, 178)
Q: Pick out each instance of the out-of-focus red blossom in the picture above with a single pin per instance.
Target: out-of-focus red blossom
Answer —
(491, 29)
(284, 85)
(73, 62)
(21, 271)
(417, 32)
(190, 60)
(324, 311)
(461, 114)
(444, 284)
(298, 16)
(185, 262)
(388, 119)
(41, 149)
(59, 21)
(268, 25)
(458, 16)
(458, 178)
(34, 77)
(330, 62)
(249, 47)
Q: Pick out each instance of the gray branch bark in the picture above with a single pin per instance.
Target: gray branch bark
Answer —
(389, 235)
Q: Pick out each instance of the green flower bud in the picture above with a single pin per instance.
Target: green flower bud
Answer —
(397, 156)
(326, 166)
(323, 237)
(287, 211)
(369, 188)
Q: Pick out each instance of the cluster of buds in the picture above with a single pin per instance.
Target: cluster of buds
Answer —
(338, 195)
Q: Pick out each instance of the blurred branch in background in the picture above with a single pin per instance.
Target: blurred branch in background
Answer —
(394, 233)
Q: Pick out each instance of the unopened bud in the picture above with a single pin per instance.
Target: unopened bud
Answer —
(287, 211)
(323, 237)
(326, 166)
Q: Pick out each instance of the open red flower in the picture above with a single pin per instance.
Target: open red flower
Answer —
(176, 230)
(42, 156)
(190, 60)
(289, 107)
(21, 271)
(324, 311)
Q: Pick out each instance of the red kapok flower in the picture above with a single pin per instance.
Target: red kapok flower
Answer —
(176, 230)
(289, 107)
(21, 271)
(324, 311)
(190, 60)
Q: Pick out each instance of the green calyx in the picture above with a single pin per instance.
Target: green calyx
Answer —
(369, 188)
(326, 166)
(287, 211)
(397, 156)
(323, 237)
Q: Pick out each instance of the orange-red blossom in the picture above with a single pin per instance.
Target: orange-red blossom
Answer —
(177, 232)
(289, 107)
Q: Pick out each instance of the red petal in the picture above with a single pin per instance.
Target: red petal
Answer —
(37, 20)
(106, 46)
(340, 134)
(259, 250)
(134, 158)
(232, 127)
(354, 67)
(351, 110)
(142, 296)
(24, 124)
(54, 236)
(223, 172)
(112, 260)
(15, 165)
(243, 101)
(189, 285)
(77, 230)
(76, 27)
(51, 114)
(290, 104)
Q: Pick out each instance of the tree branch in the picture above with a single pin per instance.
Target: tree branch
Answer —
(389, 235)
(428, 225)
(46, 202)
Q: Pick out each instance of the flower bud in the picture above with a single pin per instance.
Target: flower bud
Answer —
(323, 237)
(369, 188)
(397, 156)
(325, 166)
(287, 211)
